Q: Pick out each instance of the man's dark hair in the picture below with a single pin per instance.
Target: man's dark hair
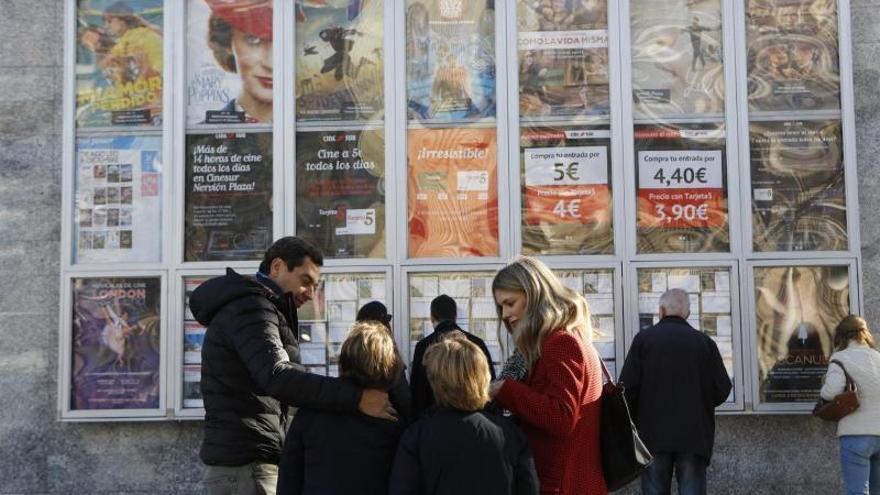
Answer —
(373, 311)
(293, 251)
(443, 308)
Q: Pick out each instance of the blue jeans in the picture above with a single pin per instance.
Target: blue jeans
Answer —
(860, 462)
(690, 473)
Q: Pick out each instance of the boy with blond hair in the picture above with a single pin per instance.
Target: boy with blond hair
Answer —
(458, 447)
(346, 452)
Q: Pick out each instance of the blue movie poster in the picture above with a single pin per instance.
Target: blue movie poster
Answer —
(450, 60)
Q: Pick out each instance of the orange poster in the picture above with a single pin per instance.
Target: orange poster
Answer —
(453, 192)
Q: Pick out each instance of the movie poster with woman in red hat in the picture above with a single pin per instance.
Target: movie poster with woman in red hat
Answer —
(229, 62)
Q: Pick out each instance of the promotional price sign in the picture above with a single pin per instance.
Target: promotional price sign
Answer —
(340, 191)
(566, 185)
(681, 189)
(453, 192)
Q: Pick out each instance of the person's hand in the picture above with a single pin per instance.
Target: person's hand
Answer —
(494, 388)
(375, 403)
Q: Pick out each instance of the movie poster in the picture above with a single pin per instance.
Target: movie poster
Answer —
(119, 61)
(340, 60)
(793, 61)
(798, 190)
(116, 343)
(229, 62)
(796, 311)
(453, 192)
(228, 196)
(682, 189)
(450, 59)
(566, 196)
(475, 308)
(711, 305)
(563, 58)
(118, 200)
(340, 192)
(326, 320)
(193, 340)
(677, 57)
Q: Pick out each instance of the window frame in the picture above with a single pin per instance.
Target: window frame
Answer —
(396, 264)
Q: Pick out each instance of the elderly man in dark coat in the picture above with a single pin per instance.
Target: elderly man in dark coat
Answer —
(675, 378)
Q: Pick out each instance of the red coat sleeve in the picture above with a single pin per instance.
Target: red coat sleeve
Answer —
(552, 401)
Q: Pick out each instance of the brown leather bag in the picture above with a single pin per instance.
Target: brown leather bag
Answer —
(842, 404)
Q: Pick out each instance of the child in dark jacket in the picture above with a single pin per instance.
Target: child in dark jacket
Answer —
(344, 453)
(458, 448)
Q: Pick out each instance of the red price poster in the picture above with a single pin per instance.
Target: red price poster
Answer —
(453, 192)
(681, 189)
(567, 185)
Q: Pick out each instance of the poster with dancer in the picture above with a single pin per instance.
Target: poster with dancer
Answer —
(563, 58)
(119, 63)
(453, 192)
(228, 196)
(681, 174)
(677, 61)
(798, 187)
(792, 55)
(118, 200)
(566, 195)
(229, 76)
(796, 311)
(340, 60)
(115, 343)
(340, 192)
(450, 60)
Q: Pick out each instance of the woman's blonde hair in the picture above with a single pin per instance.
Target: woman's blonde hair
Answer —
(370, 357)
(550, 306)
(458, 373)
(852, 328)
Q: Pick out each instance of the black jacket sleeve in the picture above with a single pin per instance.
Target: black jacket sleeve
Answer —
(720, 379)
(290, 466)
(422, 396)
(401, 399)
(254, 335)
(631, 376)
(406, 475)
(525, 481)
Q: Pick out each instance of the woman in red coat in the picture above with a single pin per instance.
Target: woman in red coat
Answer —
(558, 403)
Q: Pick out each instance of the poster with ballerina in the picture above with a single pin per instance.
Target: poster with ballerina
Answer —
(116, 343)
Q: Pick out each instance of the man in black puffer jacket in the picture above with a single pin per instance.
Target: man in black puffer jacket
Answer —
(251, 371)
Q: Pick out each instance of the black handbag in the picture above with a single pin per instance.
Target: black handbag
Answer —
(624, 455)
(842, 404)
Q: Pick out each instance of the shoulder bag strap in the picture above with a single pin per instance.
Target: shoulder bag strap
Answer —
(850, 383)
